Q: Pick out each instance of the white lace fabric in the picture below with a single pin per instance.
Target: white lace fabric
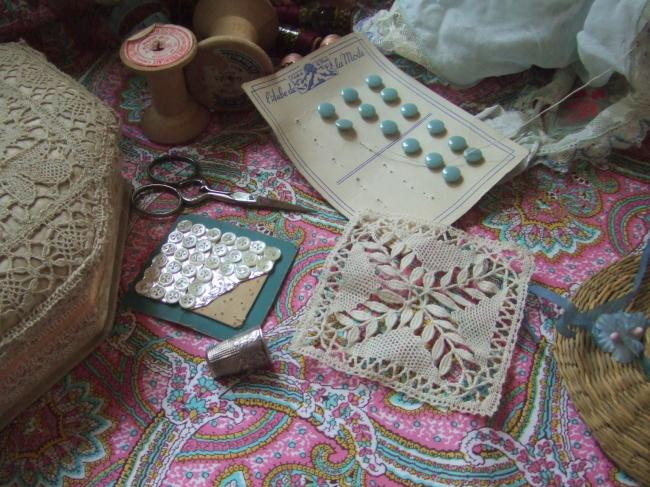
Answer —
(423, 308)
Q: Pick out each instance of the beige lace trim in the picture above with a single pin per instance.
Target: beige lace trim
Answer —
(57, 153)
(423, 308)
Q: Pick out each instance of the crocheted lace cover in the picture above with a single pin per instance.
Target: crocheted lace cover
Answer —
(57, 172)
(423, 308)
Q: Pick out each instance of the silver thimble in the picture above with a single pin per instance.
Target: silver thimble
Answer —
(240, 353)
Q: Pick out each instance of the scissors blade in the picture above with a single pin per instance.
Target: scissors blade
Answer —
(264, 202)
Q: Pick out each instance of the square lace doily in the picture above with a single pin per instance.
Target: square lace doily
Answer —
(426, 309)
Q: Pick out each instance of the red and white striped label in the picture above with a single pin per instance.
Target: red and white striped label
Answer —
(163, 45)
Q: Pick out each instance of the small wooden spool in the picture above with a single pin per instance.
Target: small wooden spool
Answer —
(234, 35)
(159, 53)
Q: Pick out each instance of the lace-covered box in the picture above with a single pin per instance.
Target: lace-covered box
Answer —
(62, 202)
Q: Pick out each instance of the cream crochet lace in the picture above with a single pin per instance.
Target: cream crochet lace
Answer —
(57, 149)
(423, 308)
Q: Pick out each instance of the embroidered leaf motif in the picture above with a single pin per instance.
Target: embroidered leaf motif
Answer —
(360, 315)
(377, 306)
(416, 321)
(371, 329)
(436, 310)
(445, 364)
(389, 296)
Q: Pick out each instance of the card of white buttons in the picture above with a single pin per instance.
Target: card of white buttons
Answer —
(196, 265)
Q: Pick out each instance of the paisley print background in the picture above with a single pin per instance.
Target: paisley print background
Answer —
(142, 410)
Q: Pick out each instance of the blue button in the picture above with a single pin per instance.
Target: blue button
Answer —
(410, 146)
(451, 174)
(388, 127)
(343, 124)
(389, 94)
(473, 155)
(366, 110)
(457, 143)
(374, 81)
(436, 127)
(350, 95)
(433, 160)
(409, 110)
(326, 110)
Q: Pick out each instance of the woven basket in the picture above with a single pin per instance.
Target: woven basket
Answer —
(613, 399)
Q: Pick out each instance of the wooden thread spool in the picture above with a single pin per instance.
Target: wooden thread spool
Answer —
(330, 39)
(290, 59)
(159, 53)
(234, 35)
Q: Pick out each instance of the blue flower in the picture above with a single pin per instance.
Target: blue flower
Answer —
(620, 334)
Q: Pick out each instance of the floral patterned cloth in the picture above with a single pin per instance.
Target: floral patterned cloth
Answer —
(142, 410)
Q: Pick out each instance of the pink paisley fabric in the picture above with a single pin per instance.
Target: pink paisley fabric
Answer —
(142, 410)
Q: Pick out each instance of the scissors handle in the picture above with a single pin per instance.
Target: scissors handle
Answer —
(138, 199)
(159, 161)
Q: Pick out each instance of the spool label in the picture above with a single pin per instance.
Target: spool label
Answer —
(223, 77)
(164, 45)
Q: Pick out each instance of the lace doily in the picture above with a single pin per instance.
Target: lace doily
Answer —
(423, 308)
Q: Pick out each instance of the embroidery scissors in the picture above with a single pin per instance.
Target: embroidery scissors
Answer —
(192, 177)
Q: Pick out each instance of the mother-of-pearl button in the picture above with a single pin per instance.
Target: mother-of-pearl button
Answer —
(436, 127)
(242, 243)
(433, 160)
(203, 245)
(184, 226)
(457, 143)
(143, 287)
(389, 94)
(198, 229)
(343, 124)
(374, 81)
(234, 255)
(156, 292)
(258, 246)
(197, 258)
(181, 254)
(172, 296)
(189, 270)
(220, 249)
(213, 234)
(350, 95)
(409, 110)
(213, 262)
(326, 110)
(151, 273)
(410, 146)
(173, 267)
(388, 127)
(189, 241)
(367, 110)
(242, 272)
(187, 301)
(451, 174)
(264, 265)
(165, 279)
(168, 248)
(272, 253)
(175, 237)
(249, 258)
(473, 155)
(182, 283)
(228, 238)
(196, 289)
(227, 268)
(204, 274)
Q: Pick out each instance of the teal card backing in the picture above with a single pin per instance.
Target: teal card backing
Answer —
(203, 324)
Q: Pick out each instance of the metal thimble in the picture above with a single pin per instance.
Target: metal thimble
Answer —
(240, 353)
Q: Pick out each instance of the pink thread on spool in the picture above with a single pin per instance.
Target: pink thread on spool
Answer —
(159, 53)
